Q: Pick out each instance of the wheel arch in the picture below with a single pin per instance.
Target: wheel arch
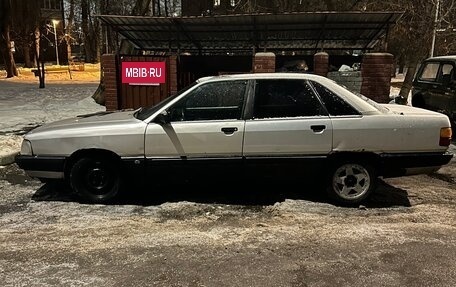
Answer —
(370, 158)
(92, 152)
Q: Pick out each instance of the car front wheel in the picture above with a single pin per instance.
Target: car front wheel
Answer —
(351, 183)
(95, 179)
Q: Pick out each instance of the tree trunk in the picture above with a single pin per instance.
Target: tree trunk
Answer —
(86, 31)
(69, 29)
(141, 7)
(329, 5)
(407, 85)
(11, 70)
(158, 8)
(28, 61)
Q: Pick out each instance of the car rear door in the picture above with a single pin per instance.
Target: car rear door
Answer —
(287, 128)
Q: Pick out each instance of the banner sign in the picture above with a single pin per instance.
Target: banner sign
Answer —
(143, 73)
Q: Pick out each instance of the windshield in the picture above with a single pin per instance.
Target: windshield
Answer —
(145, 112)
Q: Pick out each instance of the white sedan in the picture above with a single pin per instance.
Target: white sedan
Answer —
(252, 127)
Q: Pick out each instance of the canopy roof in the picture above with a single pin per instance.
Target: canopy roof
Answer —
(259, 32)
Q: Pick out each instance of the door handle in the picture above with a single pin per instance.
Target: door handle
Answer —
(318, 128)
(229, 131)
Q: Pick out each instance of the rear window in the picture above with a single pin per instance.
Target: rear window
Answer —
(334, 104)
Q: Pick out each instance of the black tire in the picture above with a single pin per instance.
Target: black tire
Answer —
(351, 182)
(95, 179)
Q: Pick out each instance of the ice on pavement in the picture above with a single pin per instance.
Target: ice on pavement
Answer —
(24, 105)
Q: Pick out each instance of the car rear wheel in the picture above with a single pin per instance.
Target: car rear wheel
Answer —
(95, 179)
(351, 182)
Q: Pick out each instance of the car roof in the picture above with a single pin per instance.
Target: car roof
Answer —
(444, 58)
(249, 76)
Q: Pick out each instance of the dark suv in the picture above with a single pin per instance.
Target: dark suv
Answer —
(434, 86)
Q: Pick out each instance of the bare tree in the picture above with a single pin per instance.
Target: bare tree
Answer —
(5, 41)
(410, 39)
(141, 7)
(69, 27)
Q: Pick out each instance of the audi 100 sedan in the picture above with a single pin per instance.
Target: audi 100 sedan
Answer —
(243, 128)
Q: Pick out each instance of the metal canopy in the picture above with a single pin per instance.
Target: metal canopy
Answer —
(259, 32)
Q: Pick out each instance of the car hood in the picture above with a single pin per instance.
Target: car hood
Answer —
(101, 119)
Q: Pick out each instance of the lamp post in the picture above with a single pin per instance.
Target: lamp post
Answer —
(55, 22)
(436, 21)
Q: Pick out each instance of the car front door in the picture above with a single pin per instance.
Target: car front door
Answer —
(288, 128)
(434, 86)
(205, 132)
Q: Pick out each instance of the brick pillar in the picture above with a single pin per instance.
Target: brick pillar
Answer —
(321, 64)
(264, 63)
(173, 75)
(376, 73)
(109, 70)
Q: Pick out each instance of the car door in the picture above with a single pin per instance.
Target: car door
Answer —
(205, 132)
(288, 128)
(432, 86)
(444, 94)
(424, 84)
(441, 92)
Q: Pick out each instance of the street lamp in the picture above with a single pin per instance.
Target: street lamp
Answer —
(55, 22)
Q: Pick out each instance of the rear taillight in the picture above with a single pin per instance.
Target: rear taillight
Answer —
(445, 136)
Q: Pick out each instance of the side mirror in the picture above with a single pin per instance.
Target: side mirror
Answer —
(162, 118)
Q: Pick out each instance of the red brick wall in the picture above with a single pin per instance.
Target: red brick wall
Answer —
(321, 64)
(264, 63)
(133, 97)
(173, 74)
(109, 70)
(376, 73)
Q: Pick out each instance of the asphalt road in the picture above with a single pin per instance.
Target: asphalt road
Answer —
(229, 235)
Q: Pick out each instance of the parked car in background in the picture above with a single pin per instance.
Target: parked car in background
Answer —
(241, 129)
(434, 86)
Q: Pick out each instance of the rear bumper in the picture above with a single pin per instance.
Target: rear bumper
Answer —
(412, 163)
(41, 166)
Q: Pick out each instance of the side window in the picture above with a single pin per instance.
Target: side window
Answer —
(333, 103)
(285, 98)
(212, 101)
(447, 74)
(429, 72)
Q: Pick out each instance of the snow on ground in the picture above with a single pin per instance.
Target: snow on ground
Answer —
(23, 105)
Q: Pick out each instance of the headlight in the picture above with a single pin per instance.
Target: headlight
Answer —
(26, 148)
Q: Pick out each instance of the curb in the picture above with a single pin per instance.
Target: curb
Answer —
(8, 158)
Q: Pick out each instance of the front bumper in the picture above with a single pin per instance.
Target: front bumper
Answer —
(42, 166)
